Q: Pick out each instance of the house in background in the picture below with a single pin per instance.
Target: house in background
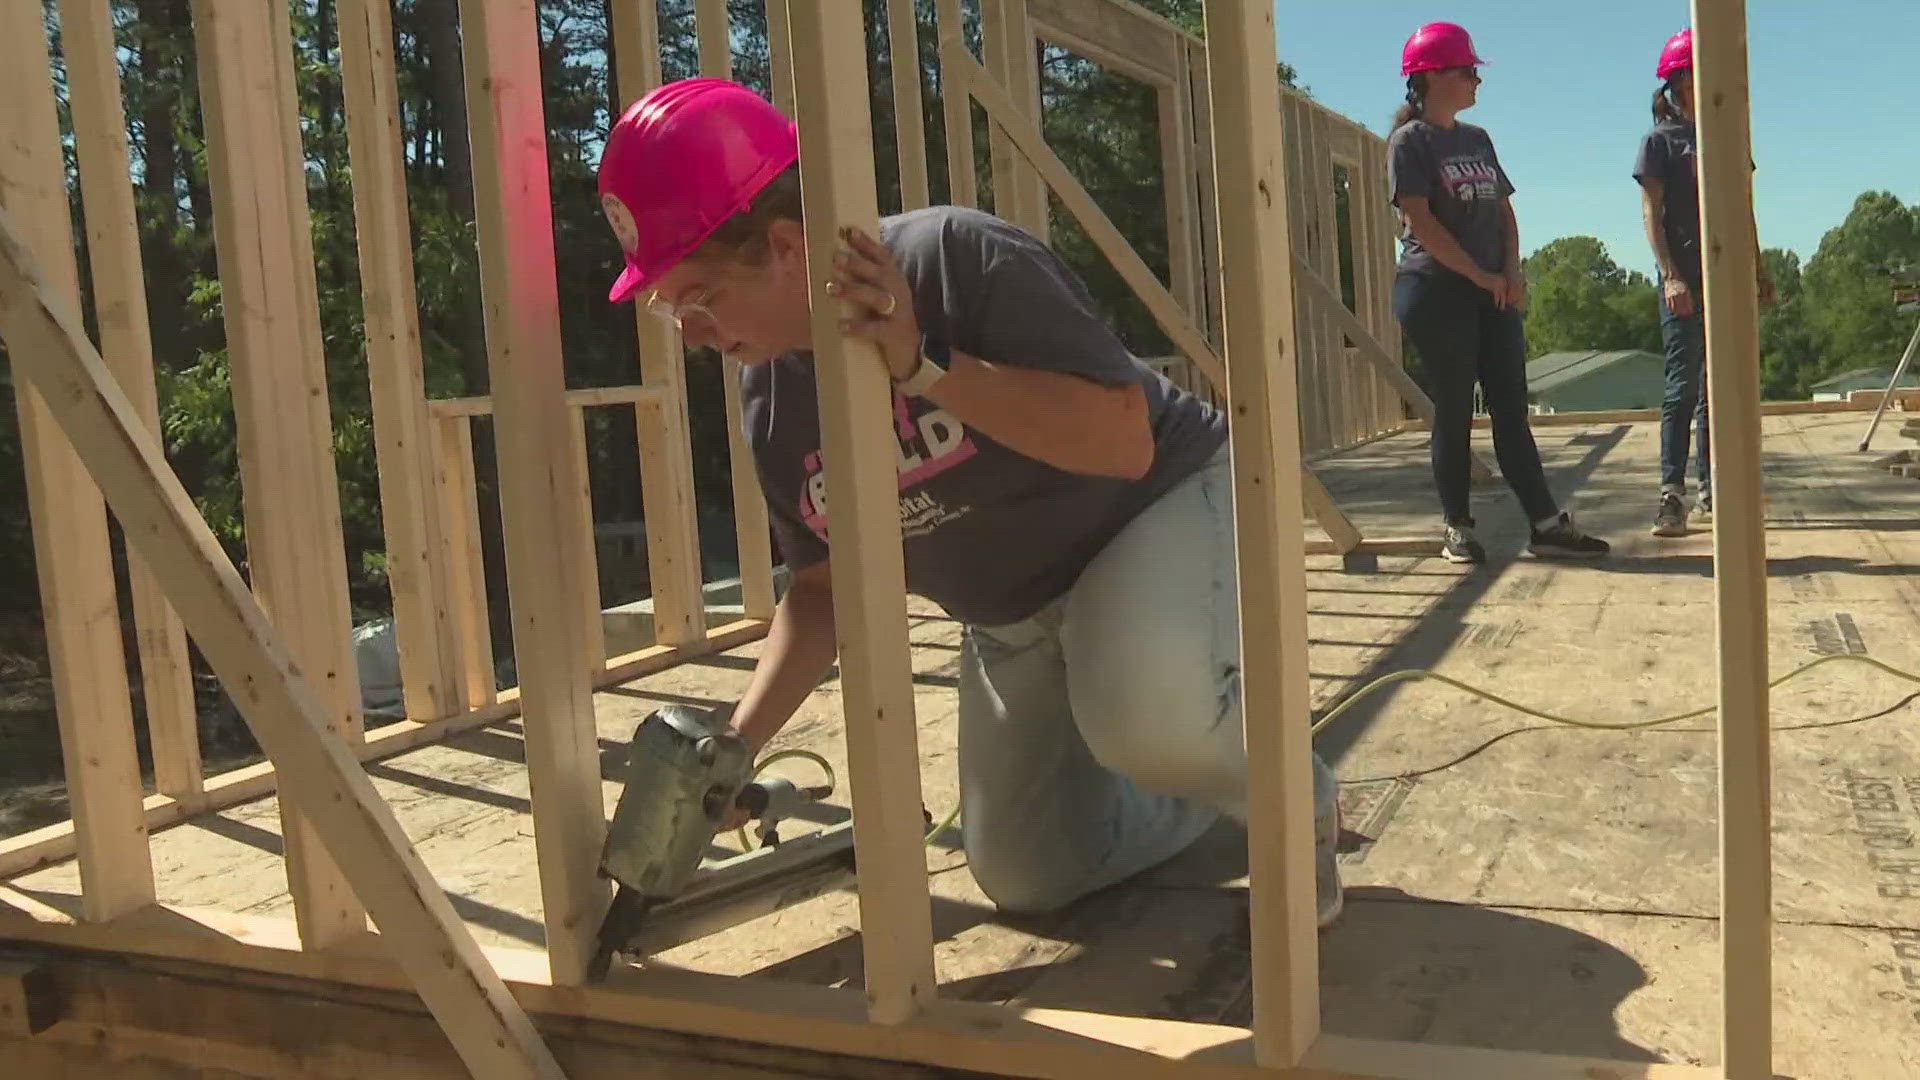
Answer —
(1588, 381)
(1838, 387)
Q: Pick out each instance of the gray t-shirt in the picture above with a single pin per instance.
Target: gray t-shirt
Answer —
(1457, 172)
(991, 535)
(1667, 155)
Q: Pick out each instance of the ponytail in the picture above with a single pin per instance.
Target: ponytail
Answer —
(1663, 110)
(1416, 104)
(1666, 104)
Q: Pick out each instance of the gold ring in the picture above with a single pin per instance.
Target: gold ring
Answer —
(892, 303)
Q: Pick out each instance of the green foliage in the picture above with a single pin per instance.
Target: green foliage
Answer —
(1788, 350)
(1832, 315)
(1845, 305)
(1579, 298)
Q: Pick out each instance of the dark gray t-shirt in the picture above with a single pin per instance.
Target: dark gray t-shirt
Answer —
(991, 535)
(1457, 172)
(1667, 155)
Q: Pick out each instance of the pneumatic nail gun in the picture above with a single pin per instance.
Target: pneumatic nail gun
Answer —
(684, 774)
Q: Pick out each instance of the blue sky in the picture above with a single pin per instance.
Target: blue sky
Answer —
(1567, 88)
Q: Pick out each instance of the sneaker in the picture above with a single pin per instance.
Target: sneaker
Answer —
(1672, 518)
(1329, 895)
(1561, 540)
(1703, 513)
(1459, 546)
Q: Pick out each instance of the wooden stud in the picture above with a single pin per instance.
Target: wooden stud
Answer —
(331, 602)
(1739, 537)
(440, 408)
(673, 537)
(459, 508)
(1176, 176)
(956, 104)
(1209, 202)
(1304, 225)
(91, 700)
(1366, 244)
(1009, 46)
(403, 438)
(714, 28)
(781, 54)
(1333, 357)
(271, 305)
(751, 528)
(666, 452)
(1376, 255)
(1261, 352)
(909, 121)
(113, 245)
(288, 715)
(539, 505)
(869, 576)
(592, 631)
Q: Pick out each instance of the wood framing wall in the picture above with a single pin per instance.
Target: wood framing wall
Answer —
(1351, 385)
(1252, 297)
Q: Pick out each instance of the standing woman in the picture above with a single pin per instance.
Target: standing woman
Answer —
(1459, 291)
(1670, 202)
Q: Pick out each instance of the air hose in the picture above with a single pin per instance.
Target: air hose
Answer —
(1594, 725)
(1411, 674)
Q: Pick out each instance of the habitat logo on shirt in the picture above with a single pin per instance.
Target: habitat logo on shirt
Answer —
(931, 442)
(1470, 178)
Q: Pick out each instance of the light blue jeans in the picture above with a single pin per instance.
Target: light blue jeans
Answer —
(1103, 735)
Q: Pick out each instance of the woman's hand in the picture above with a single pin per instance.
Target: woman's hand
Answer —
(1679, 297)
(1495, 284)
(1516, 289)
(865, 274)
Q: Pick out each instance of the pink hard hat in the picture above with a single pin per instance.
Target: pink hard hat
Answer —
(1677, 55)
(1438, 45)
(681, 161)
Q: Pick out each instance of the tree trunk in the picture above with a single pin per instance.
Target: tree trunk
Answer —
(327, 100)
(446, 86)
(161, 22)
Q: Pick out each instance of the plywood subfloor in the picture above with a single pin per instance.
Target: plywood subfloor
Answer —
(1512, 884)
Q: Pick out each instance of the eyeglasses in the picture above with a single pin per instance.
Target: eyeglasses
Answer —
(677, 314)
(700, 303)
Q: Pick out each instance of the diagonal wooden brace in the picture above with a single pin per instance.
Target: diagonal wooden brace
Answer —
(1328, 302)
(1106, 236)
(317, 770)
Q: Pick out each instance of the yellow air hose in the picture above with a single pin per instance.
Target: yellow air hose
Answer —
(1487, 695)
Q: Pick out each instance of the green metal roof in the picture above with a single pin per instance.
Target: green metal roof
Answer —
(1873, 377)
(1558, 369)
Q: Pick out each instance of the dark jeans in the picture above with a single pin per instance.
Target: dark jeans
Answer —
(1464, 338)
(1685, 404)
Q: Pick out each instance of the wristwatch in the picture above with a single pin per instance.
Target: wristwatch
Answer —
(935, 358)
